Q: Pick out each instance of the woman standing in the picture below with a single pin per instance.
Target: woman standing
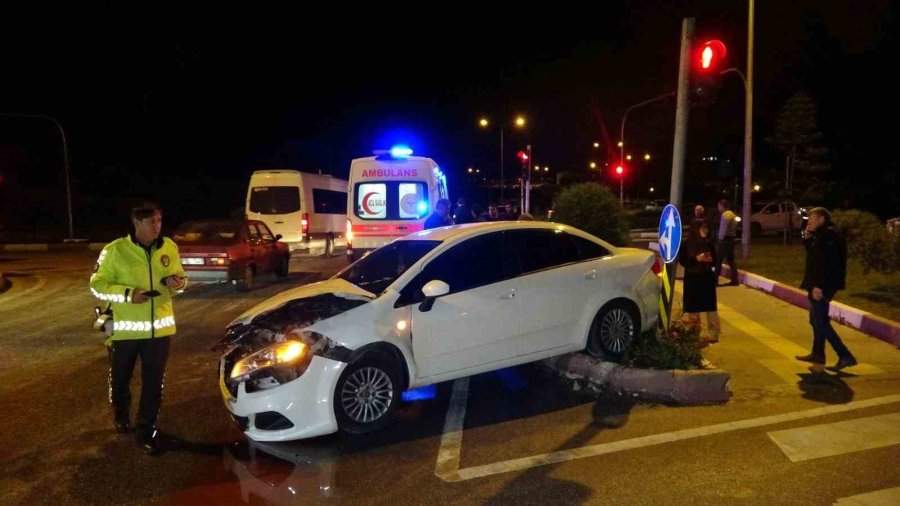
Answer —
(698, 257)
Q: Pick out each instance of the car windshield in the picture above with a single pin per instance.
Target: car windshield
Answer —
(377, 270)
(206, 232)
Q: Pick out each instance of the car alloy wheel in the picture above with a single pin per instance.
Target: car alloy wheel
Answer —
(616, 330)
(367, 394)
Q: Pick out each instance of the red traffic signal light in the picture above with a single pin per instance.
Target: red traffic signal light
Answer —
(523, 157)
(620, 170)
(710, 56)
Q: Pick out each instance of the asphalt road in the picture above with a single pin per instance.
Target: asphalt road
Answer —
(527, 436)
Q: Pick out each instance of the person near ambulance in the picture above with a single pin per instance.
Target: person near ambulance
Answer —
(137, 275)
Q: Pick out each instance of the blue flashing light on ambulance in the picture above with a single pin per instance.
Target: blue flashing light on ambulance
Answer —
(390, 195)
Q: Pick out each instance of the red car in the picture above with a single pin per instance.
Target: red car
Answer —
(238, 251)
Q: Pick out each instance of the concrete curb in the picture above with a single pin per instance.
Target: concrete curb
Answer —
(863, 321)
(683, 387)
(68, 246)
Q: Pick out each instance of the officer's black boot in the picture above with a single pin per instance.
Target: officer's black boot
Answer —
(147, 437)
(122, 422)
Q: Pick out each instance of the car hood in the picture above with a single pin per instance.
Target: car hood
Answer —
(338, 287)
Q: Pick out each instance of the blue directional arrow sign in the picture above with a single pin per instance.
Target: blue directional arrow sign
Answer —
(669, 233)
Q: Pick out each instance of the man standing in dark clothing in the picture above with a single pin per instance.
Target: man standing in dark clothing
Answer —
(441, 215)
(826, 270)
(463, 213)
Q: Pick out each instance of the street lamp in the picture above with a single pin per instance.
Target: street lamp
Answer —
(65, 147)
(597, 145)
(628, 158)
(647, 157)
(519, 122)
(593, 165)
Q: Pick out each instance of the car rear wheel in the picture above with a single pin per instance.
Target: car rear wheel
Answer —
(247, 281)
(613, 330)
(283, 266)
(367, 394)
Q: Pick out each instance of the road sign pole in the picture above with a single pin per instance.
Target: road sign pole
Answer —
(669, 244)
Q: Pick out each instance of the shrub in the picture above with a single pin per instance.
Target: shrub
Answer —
(869, 240)
(675, 348)
(594, 209)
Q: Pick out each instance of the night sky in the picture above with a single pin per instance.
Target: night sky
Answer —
(182, 105)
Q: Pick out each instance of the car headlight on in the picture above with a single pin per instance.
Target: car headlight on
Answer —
(284, 354)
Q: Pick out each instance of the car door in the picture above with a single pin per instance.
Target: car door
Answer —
(557, 285)
(477, 322)
(267, 244)
(257, 248)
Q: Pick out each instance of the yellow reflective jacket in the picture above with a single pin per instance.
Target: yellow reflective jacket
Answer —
(125, 266)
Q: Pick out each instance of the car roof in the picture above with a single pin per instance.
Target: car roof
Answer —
(459, 232)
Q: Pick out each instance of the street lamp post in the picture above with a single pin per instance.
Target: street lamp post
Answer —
(65, 146)
(519, 122)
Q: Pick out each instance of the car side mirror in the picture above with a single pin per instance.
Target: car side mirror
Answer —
(432, 290)
(278, 237)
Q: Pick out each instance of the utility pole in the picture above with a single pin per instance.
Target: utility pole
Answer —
(681, 113)
(748, 138)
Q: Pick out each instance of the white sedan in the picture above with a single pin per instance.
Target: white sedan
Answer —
(430, 307)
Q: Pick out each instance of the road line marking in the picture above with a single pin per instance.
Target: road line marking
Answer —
(451, 441)
(886, 497)
(829, 439)
(12, 295)
(785, 369)
(447, 473)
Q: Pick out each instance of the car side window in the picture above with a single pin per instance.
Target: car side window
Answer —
(477, 262)
(588, 250)
(265, 233)
(254, 232)
(544, 249)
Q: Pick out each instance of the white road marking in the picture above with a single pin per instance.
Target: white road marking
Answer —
(451, 442)
(829, 439)
(886, 497)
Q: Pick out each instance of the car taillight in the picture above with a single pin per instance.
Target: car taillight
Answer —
(305, 223)
(657, 266)
(218, 261)
(349, 231)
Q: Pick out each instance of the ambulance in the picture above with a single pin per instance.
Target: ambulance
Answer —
(390, 195)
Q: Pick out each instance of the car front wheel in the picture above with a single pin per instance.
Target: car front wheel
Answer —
(367, 394)
(613, 330)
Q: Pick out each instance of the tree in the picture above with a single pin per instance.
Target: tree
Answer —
(593, 208)
(807, 158)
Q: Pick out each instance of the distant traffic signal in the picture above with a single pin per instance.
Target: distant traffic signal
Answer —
(620, 170)
(523, 157)
(707, 65)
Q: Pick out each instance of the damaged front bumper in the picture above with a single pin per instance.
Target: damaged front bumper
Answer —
(300, 408)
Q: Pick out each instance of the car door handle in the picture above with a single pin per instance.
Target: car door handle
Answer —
(590, 274)
(508, 296)
(279, 222)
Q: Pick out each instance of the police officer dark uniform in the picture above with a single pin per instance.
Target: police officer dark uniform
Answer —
(137, 275)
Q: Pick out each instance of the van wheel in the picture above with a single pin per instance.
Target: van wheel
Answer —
(367, 393)
(249, 275)
(329, 247)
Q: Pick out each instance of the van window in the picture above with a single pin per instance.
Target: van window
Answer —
(391, 200)
(329, 201)
(275, 199)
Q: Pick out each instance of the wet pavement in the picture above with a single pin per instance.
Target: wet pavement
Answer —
(527, 436)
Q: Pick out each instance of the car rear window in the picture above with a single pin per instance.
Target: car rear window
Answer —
(275, 199)
(206, 232)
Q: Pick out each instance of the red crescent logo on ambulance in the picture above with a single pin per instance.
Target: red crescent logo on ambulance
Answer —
(365, 202)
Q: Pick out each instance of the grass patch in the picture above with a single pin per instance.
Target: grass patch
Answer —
(875, 292)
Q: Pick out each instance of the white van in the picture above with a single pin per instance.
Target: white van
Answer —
(391, 195)
(308, 210)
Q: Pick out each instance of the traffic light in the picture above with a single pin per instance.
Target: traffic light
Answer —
(707, 65)
(524, 157)
(620, 170)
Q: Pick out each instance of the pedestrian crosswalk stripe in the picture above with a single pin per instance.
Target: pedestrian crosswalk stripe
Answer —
(829, 439)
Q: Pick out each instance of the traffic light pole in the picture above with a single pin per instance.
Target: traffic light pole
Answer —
(748, 137)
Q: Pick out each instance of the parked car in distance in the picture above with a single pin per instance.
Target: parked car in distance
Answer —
(656, 205)
(222, 250)
(771, 217)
